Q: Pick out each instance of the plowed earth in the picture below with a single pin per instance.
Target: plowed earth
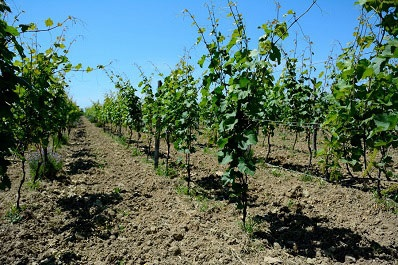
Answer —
(110, 207)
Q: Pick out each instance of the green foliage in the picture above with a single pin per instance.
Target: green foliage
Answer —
(362, 119)
(136, 152)
(14, 215)
(8, 81)
(185, 121)
(276, 172)
(126, 106)
(239, 94)
(169, 172)
(34, 105)
(249, 226)
(117, 191)
(306, 178)
(42, 170)
(33, 184)
(388, 198)
(239, 78)
(391, 192)
(182, 189)
(290, 204)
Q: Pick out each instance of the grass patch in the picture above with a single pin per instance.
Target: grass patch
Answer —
(14, 215)
(117, 191)
(170, 172)
(120, 140)
(183, 190)
(276, 172)
(60, 140)
(290, 204)
(204, 203)
(136, 152)
(306, 178)
(39, 169)
(249, 227)
(33, 185)
(389, 198)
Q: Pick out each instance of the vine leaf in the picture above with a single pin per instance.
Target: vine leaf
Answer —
(49, 22)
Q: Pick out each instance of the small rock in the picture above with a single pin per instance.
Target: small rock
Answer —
(271, 260)
(111, 212)
(79, 236)
(178, 236)
(306, 193)
(277, 246)
(350, 259)
(233, 241)
(18, 244)
(310, 229)
(175, 250)
(311, 261)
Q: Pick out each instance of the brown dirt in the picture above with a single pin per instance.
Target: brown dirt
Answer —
(110, 207)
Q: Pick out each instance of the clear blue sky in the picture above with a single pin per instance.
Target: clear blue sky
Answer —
(155, 32)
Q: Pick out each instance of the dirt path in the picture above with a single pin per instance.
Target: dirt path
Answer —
(109, 207)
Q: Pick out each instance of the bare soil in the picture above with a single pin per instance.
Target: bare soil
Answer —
(109, 206)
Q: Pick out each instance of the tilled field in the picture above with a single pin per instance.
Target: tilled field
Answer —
(110, 207)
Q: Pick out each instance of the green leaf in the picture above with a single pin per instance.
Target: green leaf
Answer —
(48, 22)
(281, 30)
(222, 142)
(24, 27)
(202, 60)
(243, 82)
(226, 159)
(12, 30)
(226, 178)
(275, 54)
(245, 168)
(385, 122)
(251, 138)
(379, 143)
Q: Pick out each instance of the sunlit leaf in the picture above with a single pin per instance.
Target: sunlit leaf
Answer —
(12, 30)
(48, 22)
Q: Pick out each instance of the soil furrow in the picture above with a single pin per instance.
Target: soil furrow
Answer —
(110, 207)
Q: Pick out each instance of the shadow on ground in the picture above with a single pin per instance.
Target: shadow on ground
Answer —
(304, 236)
(212, 188)
(81, 165)
(89, 214)
(5, 182)
(313, 170)
(67, 257)
(84, 152)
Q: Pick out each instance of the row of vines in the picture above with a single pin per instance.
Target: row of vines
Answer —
(35, 110)
(353, 102)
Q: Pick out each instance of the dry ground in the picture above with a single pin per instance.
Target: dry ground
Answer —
(109, 206)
